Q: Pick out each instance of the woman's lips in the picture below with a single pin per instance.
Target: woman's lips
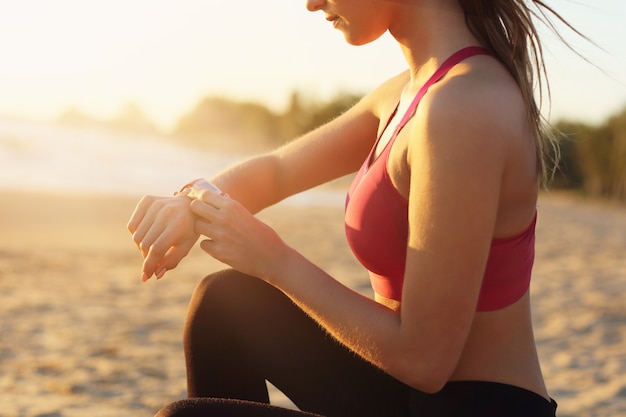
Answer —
(333, 19)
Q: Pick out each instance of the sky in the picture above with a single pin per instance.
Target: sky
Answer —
(166, 55)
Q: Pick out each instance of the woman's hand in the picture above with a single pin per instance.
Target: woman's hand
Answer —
(163, 229)
(237, 238)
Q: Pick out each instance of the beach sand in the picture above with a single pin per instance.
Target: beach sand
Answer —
(81, 335)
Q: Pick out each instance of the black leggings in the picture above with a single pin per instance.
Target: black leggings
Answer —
(241, 332)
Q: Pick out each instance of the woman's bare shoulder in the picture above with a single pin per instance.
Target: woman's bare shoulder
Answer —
(473, 127)
(386, 94)
(482, 100)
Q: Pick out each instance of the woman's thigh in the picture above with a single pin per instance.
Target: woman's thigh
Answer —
(218, 407)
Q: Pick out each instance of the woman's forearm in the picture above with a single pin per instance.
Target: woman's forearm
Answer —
(254, 182)
(368, 328)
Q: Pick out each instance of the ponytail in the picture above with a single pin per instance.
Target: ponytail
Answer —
(507, 29)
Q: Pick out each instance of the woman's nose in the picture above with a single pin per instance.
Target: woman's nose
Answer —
(315, 5)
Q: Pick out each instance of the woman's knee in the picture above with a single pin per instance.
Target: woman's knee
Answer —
(172, 410)
(217, 288)
(221, 299)
(186, 408)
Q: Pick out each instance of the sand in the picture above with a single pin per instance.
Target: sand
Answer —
(81, 335)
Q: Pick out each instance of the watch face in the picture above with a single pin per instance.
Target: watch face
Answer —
(194, 189)
(206, 185)
(200, 185)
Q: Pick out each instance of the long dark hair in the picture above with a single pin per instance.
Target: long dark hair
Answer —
(507, 28)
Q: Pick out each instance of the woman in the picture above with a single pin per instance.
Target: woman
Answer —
(450, 155)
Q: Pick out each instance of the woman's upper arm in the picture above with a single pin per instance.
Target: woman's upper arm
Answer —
(339, 147)
(328, 152)
(456, 159)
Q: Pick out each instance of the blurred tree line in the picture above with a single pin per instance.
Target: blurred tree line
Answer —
(223, 124)
(593, 158)
(130, 119)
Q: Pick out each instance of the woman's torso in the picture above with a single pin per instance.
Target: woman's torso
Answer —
(500, 346)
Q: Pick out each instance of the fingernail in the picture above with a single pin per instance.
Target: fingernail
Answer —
(144, 277)
(160, 272)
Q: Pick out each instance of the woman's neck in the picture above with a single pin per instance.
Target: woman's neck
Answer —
(428, 32)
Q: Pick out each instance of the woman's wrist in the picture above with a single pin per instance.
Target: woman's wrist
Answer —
(193, 188)
(186, 189)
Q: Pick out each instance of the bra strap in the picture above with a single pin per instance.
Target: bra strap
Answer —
(454, 59)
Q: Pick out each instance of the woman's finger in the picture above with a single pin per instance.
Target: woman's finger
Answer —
(139, 213)
(205, 228)
(207, 245)
(172, 258)
(209, 196)
(155, 254)
(149, 218)
(155, 231)
(204, 209)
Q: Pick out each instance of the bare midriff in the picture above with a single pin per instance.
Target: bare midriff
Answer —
(500, 348)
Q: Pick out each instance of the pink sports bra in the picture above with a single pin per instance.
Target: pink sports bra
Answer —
(376, 223)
